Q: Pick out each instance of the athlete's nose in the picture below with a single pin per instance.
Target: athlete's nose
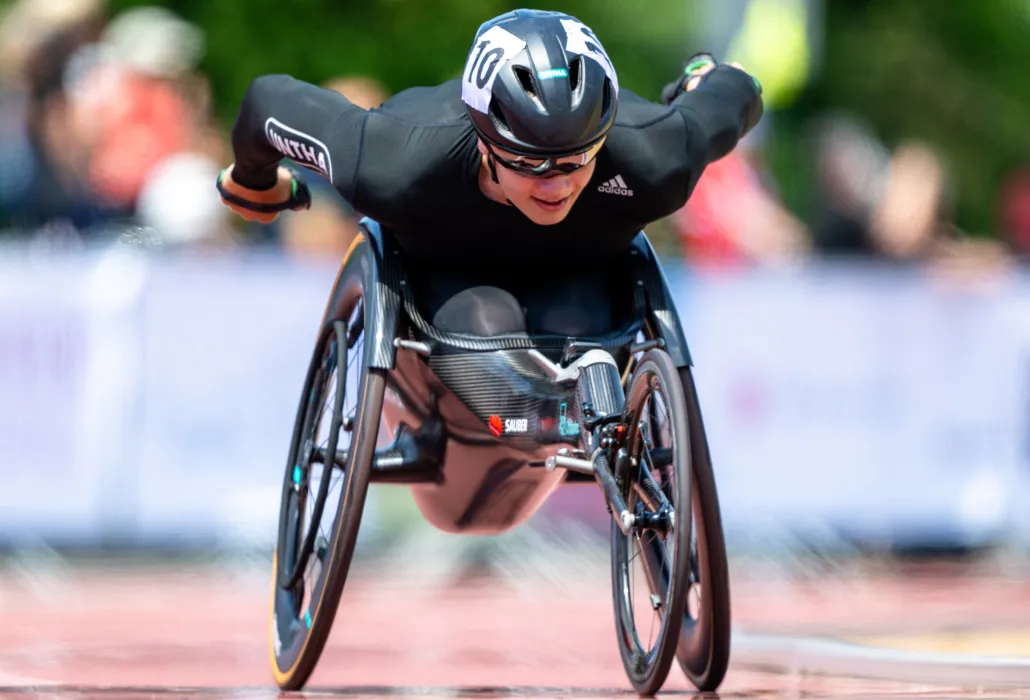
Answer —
(553, 188)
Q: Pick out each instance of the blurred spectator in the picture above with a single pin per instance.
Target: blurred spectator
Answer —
(851, 169)
(913, 211)
(873, 202)
(733, 219)
(106, 124)
(326, 230)
(1014, 212)
(891, 205)
(145, 115)
(363, 91)
(42, 162)
(176, 203)
(28, 24)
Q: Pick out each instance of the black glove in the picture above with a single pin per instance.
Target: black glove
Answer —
(290, 192)
(690, 69)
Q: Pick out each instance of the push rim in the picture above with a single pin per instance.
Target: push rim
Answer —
(315, 488)
(650, 567)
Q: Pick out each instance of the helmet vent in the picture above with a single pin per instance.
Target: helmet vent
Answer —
(498, 116)
(576, 81)
(606, 100)
(528, 86)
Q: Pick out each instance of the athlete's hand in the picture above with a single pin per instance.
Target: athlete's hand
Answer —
(698, 73)
(289, 192)
(697, 68)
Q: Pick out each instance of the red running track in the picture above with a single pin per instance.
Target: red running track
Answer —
(204, 634)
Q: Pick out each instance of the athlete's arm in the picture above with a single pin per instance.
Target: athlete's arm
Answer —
(284, 117)
(722, 109)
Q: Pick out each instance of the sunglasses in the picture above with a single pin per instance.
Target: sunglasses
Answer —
(542, 167)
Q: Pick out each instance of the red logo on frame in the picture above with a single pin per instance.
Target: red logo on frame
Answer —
(496, 425)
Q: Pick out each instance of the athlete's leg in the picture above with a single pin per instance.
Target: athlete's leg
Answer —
(484, 311)
(480, 303)
(591, 300)
(577, 305)
(468, 303)
(591, 303)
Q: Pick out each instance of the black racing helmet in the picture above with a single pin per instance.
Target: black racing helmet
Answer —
(539, 84)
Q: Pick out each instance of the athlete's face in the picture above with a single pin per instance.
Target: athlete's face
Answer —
(545, 200)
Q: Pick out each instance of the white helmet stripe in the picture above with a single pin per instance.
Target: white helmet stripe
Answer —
(492, 50)
(582, 40)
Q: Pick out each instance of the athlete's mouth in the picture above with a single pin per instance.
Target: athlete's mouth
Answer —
(551, 204)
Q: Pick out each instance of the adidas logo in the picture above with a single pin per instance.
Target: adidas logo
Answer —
(615, 186)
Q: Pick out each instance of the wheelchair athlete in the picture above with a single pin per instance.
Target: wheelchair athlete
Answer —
(512, 191)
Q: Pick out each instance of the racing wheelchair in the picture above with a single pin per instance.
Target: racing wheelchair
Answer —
(483, 430)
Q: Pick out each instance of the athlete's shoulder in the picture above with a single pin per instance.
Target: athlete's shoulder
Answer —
(416, 145)
(647, 135)
(636, 112)
(646, 166)
(434, 105)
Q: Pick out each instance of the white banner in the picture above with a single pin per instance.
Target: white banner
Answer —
(66, 387)
(226, 348)
(150, 401)
(866, 403)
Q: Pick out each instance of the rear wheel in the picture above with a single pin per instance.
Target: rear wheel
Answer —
(704, 647)
(322, 502)
(651, 565)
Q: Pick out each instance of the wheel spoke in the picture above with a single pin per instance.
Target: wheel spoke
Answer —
(321, 513)
(659, 498)
(656, 566)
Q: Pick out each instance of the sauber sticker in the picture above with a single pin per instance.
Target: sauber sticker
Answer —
(505, 426)
(516, 425)
(306, 150)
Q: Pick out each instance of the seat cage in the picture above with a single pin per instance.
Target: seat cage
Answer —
(401, 324)
(476, 422)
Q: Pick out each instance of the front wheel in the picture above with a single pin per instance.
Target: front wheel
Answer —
(655, 477)
(322, 501)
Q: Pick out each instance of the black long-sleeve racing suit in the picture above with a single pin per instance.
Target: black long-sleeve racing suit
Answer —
(413, 165)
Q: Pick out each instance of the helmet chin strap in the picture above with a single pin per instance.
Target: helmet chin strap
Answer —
(493, 174)
(493, 167)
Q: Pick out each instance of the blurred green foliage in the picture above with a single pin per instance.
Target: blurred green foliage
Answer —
(949, 72)
(405, 42)
(946, 71)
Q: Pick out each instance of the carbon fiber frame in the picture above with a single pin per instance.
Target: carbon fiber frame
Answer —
(499, 416)
(396, 314)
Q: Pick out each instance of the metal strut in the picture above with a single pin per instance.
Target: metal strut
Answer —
(603, 472)
(413, 457)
